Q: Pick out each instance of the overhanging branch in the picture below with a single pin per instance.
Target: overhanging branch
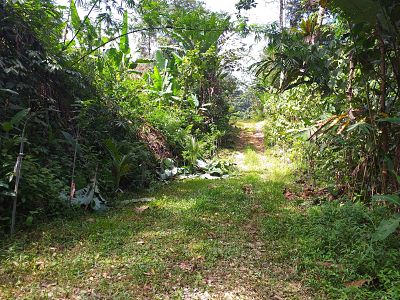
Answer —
(145, 29)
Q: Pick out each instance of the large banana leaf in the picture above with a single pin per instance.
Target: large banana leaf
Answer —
(76, 22)
(124, 41)
(358, 10)
(387, 12)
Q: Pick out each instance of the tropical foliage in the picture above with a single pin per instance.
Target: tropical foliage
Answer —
(85, 101)
(112, 100)
(339, 84)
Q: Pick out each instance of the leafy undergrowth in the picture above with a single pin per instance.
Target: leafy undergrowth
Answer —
(330, 248)
(237, 238)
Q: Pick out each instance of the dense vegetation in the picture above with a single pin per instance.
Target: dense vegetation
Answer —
(114, 99)
(85, 105)
(338, 75)
(329, 87)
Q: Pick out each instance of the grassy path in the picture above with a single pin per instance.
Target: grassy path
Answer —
(199, 239)
(227, 239)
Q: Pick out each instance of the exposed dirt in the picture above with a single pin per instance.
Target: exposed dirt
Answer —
(251, 136)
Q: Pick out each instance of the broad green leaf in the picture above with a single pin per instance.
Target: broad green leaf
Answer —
(361, 126)
(9, 91)
(157, 79)
(124, 41)
(29, 220)
(178, 59)
(71, 140)
(76, 21)
(390, 120)
(133, 65)
(7, 126)
(144, 61)
(386, 228)
(359, 10)
(91, 32)
(115, 55)
(68, 137)
(160, 60)
(394, 199)
(19, 116)
(113, 149)
(8, 193)
(134, 72)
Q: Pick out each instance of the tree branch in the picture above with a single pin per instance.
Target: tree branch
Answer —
(140, 30)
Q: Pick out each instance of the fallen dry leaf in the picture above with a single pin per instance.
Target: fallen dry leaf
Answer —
(151, 273)
(356, 283)
(247, 189)
(47, 284)
(141, 209)
(186, 266)
(40, 264)
(325, 264)
(329, 265)
(289, 195)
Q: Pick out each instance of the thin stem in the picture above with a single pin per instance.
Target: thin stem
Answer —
(73, 167)
(17, 171)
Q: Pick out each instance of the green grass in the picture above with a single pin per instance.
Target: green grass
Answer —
(194, 231)
(202, 236)
(252, 159)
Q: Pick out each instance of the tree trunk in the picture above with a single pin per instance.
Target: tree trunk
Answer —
(352, 68)
(321, 15)
(281, 16)
(384, 143)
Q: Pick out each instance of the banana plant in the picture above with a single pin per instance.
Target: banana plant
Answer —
(85, 32)
(161, 85)
(194, 150)
(121, 164)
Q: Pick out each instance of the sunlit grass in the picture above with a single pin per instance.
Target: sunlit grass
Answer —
(247, 125)
(190, 228)
(237, 235)
(252, 158)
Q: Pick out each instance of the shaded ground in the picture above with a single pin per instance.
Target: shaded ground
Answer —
(199, 239)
